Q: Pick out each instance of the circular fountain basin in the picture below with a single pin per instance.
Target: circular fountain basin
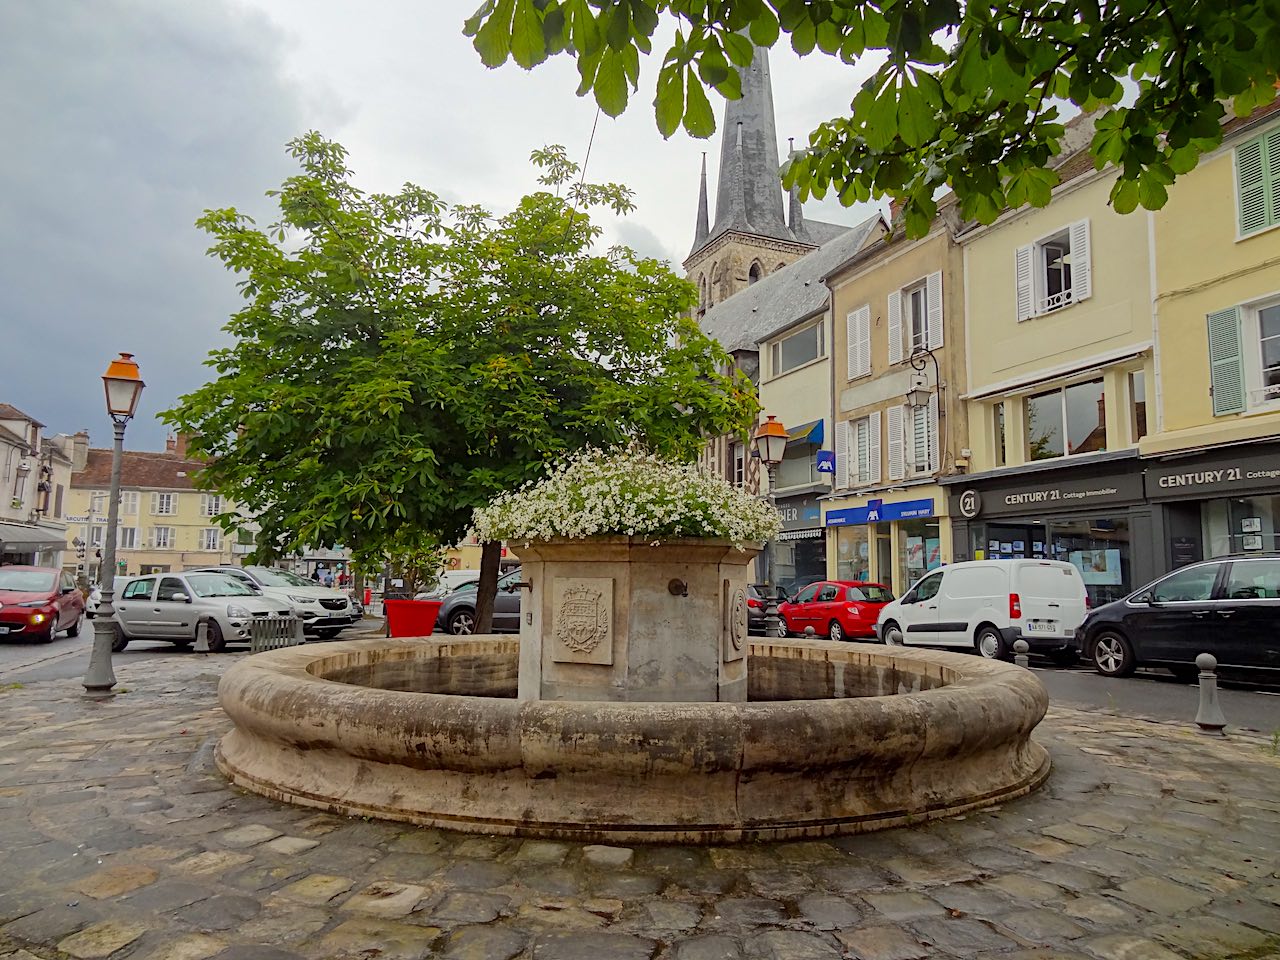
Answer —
(835, 738)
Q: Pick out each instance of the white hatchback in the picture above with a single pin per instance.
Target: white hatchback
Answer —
(986, 605)
(323, 611)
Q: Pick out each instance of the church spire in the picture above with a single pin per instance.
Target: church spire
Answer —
(703, 228)
(749, 194)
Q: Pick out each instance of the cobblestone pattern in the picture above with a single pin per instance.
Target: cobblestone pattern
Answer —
(119, 840)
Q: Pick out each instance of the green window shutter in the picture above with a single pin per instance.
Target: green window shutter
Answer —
(1254, 176)
(1226, 362)
(1271, 153)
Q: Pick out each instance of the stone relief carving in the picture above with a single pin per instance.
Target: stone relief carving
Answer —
(735, 621)
(582, 611)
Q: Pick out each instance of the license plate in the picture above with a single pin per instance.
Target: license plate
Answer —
(3, 631)
(1042, 626)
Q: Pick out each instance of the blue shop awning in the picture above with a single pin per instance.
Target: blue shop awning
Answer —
(806, 433)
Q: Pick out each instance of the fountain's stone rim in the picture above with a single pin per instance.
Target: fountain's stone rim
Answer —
(627, 771)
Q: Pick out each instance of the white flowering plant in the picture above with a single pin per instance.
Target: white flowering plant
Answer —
(627, 492)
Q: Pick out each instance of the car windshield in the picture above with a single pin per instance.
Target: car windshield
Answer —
(217, 585)
(270, 577)
(872, 593)
(26, 581)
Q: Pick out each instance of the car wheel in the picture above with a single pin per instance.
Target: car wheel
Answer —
(1112, 655)
(328, 633)
(120, 642)
(892, 635)
(835, 632)
(217, 642)
(74, 629)
(462, 623)
(990, 644)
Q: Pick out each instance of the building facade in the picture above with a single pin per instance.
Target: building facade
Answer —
(165, 522)
(35, 475)
(896, 379)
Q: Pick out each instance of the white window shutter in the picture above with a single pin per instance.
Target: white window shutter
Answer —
(852, 365)
(895, 327)
(864, 339)
(1025, 287)
(842, 454)
(1081, 265)
(897, 442)
(1251, 184)
(933, 291)
(933, 432)
(1226, 362)
(155, 504)
(873, 446)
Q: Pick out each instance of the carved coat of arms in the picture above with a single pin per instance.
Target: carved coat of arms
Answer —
(583, 619)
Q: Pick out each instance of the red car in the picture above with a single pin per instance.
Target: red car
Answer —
(37, 602)
(836, 609)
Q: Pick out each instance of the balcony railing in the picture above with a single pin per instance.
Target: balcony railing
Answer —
(1055, 301)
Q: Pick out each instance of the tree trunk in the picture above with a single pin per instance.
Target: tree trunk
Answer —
(487, 588)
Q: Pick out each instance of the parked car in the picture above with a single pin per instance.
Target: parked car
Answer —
(458, 610)
(449, 581)
(757, 603)
(324, 611)
(92, 600)
(988, 605)
(169, 606)
(38, 602)
(836, 609)
(1229, 607)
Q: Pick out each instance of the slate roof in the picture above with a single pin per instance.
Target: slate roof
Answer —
(10, 412)
(782, 298)
(155, 471)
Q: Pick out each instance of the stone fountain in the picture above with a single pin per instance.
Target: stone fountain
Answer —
(632, 708)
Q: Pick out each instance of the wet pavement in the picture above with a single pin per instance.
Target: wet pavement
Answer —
(119, 839)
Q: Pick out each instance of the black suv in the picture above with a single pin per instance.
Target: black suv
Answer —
(1229, 607)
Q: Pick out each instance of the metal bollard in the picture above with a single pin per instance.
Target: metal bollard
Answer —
(1209, 717)
(1020, 650)
(202, 636)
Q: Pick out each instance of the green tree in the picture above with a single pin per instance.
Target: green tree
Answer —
(399, 361)
(967, 97)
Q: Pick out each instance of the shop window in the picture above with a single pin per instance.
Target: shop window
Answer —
(853, 553)
(1138, 401)
(797, 349)
(1240, 525)
(915, 318)
(1054, 272)
(919, 549)
(1067, 421)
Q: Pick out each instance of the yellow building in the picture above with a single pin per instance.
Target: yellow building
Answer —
(1213, 457)
(896, 376)
(1059, 365)
(165, 522)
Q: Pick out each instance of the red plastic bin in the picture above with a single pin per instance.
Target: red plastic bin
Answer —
(411, 618)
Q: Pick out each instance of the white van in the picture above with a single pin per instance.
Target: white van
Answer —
(987, 605)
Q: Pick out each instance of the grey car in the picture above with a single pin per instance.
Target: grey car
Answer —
(168, 606)
(458, 611)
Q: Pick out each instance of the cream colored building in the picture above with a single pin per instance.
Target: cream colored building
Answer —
(896, 376)
(1060, 364)
(1213, 454)
(165, 523)
(35, 474)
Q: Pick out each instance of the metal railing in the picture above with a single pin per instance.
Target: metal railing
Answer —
(272, 632)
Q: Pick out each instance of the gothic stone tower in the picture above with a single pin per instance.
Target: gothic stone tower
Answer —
(750, 238)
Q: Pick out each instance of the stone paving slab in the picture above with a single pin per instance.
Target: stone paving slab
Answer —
(118, 840)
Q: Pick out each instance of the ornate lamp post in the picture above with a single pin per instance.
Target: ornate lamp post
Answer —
(123, 388)
(770, 442)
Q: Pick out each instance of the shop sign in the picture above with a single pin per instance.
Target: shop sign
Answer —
(800, 512)
(79, 518)
(878, 511)
(1183, 480)
(1034, 498)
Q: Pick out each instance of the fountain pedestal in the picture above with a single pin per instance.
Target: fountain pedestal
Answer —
(621, 619)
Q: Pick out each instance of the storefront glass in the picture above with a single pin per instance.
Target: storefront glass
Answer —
(1240, 525)
(1098, 546)
(919, 550)
(853, 553)
(798, 562)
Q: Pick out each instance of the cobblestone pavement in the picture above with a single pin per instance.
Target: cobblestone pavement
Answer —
(119, 839)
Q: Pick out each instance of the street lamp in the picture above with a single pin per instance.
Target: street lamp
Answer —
(123, 388)
(770, 442)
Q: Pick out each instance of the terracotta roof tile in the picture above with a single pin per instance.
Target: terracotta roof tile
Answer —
(157, 471)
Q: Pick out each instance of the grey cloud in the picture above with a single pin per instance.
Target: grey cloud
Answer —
(124, 120)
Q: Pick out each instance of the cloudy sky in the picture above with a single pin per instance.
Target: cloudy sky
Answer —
(124, 119)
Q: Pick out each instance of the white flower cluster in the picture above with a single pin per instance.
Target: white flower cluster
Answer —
(627, 492)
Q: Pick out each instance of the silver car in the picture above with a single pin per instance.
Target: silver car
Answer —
(168, 606)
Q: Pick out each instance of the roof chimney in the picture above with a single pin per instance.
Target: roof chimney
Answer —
(171, 444)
